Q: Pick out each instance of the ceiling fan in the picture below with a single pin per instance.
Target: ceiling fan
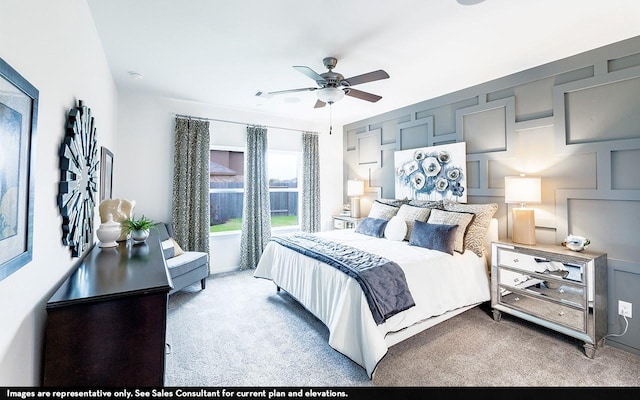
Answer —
(332, 86)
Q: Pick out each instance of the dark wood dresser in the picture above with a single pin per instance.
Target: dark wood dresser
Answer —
(106, 324)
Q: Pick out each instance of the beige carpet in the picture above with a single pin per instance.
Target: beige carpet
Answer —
(241, 332)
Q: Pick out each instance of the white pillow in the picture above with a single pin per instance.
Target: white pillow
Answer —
(396, 229)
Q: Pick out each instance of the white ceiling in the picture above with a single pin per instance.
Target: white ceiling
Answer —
(221, 52)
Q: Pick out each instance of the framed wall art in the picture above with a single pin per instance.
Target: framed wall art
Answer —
(432, 173)
(18, 121)
(106, 174)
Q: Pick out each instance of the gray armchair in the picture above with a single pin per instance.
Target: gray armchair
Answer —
(185, 268)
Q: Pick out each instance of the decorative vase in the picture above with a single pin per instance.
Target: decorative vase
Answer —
(109, 232)
(139, 235)
(120, 209)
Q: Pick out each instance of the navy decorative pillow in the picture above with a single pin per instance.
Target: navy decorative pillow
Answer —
(372, 227)
(434, 236)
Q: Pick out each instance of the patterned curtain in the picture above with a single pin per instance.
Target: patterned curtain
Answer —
(191, 215)
(256, 216)
(310, 183)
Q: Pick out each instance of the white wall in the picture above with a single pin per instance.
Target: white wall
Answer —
(144, 161)
(56, 48)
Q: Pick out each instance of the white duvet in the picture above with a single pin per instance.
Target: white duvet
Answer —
(438, 283)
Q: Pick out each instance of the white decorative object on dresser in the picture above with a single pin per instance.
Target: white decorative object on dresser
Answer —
(551, 286)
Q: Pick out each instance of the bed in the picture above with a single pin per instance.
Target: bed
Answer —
(441, 284)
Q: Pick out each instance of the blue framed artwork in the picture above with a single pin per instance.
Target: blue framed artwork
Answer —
(432, 173)
(18, 117)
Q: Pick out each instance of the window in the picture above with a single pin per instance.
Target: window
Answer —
(226, 188)
(282, 170)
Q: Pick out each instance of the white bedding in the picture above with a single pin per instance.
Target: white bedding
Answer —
(438, 283)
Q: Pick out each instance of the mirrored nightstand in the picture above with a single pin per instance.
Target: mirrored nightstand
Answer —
(342, 222)
(554, 287)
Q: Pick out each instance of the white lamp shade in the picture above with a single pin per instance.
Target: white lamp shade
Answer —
(330, 94)
(355, 188)
(522, 189)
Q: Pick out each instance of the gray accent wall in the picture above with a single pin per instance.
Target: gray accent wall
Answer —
(574, 122)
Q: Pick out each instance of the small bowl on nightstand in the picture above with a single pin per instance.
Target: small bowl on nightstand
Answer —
(576, 243)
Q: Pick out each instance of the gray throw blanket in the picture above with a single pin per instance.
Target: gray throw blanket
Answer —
(382, 280)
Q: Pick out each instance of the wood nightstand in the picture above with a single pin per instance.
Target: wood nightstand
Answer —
(342, 222)
(552, 286)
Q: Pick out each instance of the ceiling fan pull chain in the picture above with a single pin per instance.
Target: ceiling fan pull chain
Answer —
(330, 118)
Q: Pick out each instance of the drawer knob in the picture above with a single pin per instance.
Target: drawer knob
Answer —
(561, 313)
(515, 260)
(561, 290)
(517, 299)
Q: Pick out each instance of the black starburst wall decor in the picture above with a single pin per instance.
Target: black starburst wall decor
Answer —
(78, 187)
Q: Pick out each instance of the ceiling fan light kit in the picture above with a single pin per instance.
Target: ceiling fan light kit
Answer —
(330, 95)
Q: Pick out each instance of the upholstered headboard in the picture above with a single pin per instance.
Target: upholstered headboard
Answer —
(492, 235)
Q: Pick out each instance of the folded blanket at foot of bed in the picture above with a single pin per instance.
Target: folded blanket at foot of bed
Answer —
(382, 281)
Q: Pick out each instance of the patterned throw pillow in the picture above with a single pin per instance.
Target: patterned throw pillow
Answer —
(382, 211)
(410, 214)
(452, 218)
(477, 230)
(434, 236)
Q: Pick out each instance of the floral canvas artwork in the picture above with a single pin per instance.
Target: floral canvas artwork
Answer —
(432, 173)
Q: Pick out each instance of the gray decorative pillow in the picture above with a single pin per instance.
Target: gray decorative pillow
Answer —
(477, 230)
(439, 204)
(410, 214)
(434, 236)
(393, 202)
(382, 211)
(372, 227)
(452, 218)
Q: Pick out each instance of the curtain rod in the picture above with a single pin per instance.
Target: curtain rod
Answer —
(241, 123)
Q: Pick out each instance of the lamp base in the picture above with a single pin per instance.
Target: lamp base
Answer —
(524, 226)
(355, 207)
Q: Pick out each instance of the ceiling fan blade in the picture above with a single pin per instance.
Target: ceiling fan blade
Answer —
(363, 95)
(268, 94)
(319, 104)
(368, 77)
(311, 74)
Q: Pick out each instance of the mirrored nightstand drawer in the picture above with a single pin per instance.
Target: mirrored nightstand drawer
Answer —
(553, 269)
(571, 317)
(512, 259)
(555, 289)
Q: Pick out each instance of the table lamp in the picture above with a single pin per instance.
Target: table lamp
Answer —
(523, 189)
(355, 189)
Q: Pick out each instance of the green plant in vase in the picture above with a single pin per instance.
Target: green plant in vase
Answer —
(138, 227)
